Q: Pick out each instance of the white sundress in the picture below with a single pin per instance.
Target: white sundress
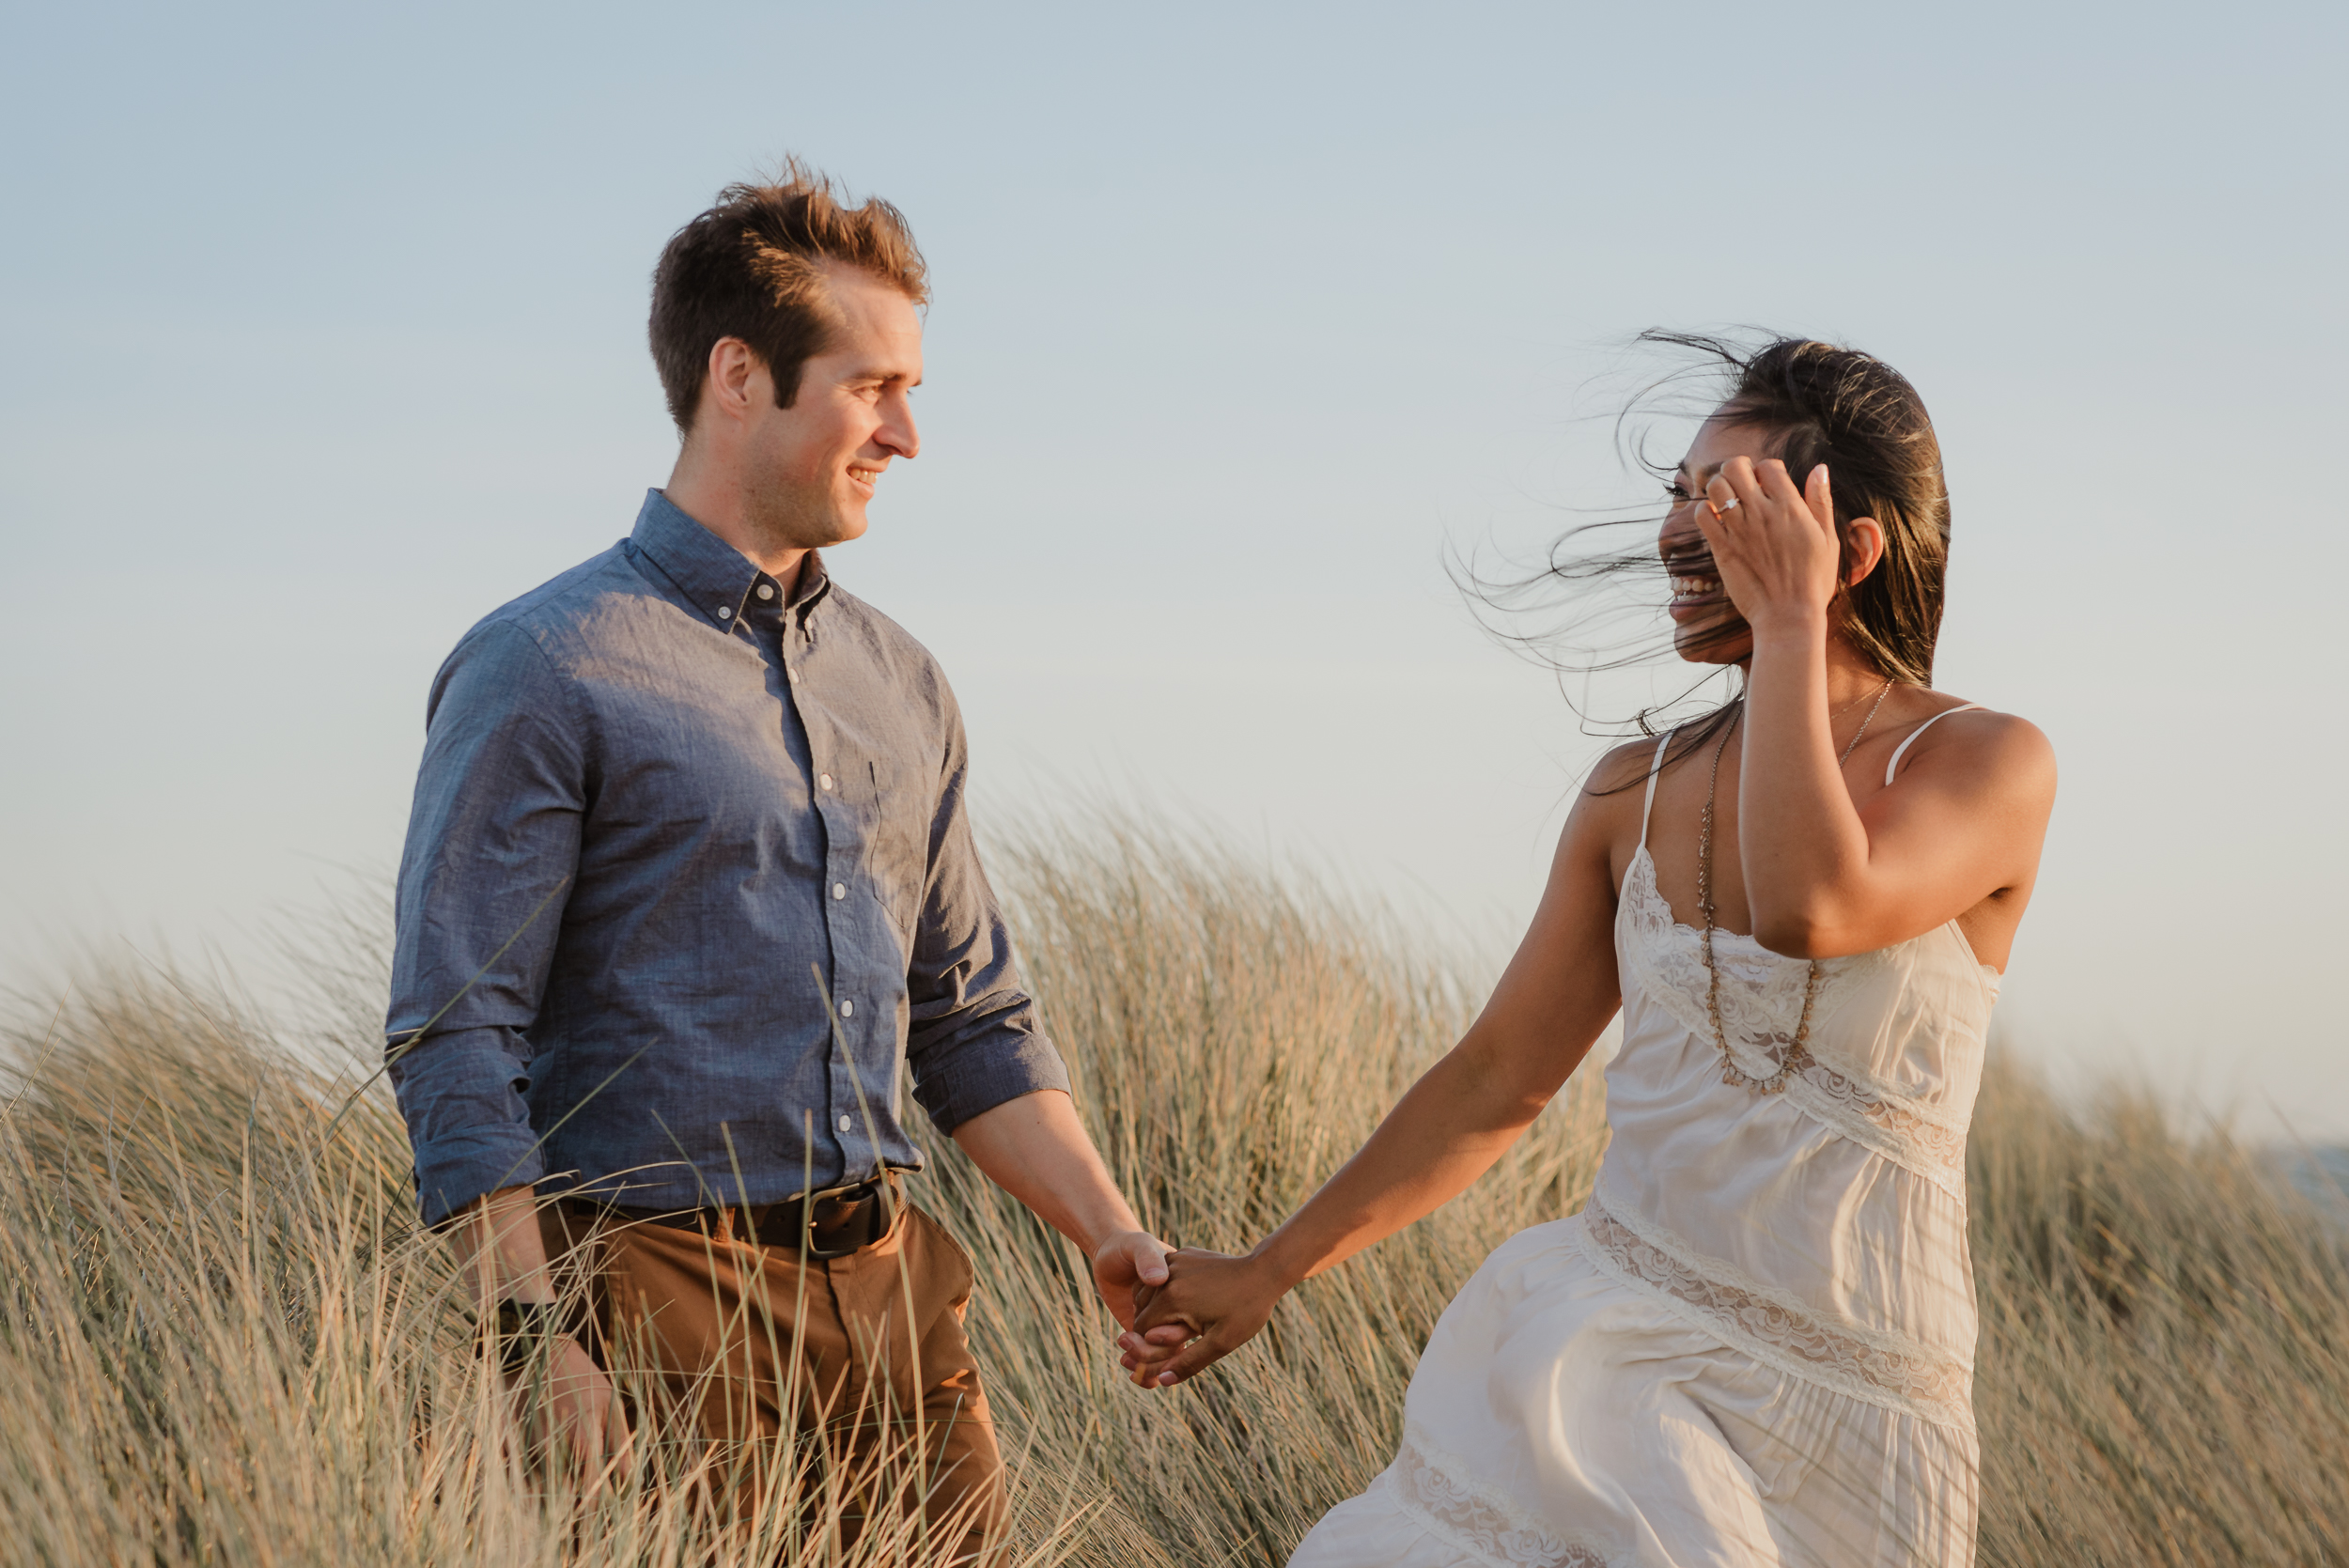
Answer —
(1755, 1344)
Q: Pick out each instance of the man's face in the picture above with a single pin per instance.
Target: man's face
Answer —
(810, 469)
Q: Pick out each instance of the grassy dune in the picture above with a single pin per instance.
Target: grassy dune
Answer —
(222, 1340)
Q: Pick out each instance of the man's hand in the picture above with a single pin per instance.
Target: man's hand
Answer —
(1035, 1149)
(574, 1418)
(1126, 1271)
(1209, 1307)
(567, 1406)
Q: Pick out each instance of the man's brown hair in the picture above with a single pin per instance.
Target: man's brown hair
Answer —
(753, 267)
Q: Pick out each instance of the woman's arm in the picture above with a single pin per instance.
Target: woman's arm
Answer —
(1821, 878)
(1557, 994)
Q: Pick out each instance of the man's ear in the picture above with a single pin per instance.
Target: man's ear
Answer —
(1863, 537)
(735, 383)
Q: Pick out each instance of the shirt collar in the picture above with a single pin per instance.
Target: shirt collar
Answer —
(714, 577)
(814, 583)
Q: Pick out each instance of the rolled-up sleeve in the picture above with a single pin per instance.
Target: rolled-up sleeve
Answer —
(973, 1039)
(493, 846)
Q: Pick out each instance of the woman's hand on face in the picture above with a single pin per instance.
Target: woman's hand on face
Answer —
(1775, 548)
(1209, 1307)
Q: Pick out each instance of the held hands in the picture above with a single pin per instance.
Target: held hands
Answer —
(1209, 1307)
(1775, 548)
(1126, 1267)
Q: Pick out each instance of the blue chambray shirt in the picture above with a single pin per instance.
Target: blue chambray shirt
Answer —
(708, 798)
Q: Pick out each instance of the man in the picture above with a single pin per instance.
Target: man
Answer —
(690, 888)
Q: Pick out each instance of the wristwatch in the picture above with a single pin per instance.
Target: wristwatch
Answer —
(521, 1328)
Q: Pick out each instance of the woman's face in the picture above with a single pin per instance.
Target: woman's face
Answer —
(1707, 627)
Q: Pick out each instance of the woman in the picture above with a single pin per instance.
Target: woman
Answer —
(1755, 1344)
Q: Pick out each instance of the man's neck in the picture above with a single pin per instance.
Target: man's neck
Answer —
(719, 507)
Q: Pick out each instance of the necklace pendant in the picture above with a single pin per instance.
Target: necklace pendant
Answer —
(1787, 1056)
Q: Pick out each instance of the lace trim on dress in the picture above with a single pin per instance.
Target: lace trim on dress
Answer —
(1777, 1328)
(1761, 997)
(1672, 972)
(1441, 1495)
(1872, 1116)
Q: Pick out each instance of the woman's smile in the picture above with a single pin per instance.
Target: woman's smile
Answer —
(1689, 592)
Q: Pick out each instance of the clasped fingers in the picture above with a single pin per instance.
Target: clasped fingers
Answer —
(1210, 1306)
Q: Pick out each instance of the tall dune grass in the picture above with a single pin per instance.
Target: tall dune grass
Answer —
(224, 1341)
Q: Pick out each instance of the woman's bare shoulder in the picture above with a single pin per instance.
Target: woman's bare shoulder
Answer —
(1606, 815)
(1622, 771)
(1980, 741)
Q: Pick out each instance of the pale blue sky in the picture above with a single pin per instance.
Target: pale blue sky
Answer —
(323, 335)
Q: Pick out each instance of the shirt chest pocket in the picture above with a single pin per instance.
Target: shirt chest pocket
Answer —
(895, 809)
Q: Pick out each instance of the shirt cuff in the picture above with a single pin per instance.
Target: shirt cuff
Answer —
(461, 1096)
(959, 1082)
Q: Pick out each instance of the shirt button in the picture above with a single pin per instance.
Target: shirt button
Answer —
(824, 779)
(847, 1008)
(725, 613)
(766, 590)
(795, 677)
(844, 1124)
(840, 890)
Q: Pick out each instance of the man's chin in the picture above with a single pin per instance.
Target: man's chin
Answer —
(807, 527)
(845, 524)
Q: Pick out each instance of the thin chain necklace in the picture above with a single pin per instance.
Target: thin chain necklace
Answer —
(1798, 1053)
(1855, 703)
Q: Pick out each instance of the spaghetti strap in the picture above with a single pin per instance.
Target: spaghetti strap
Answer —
(1898, 752)
(1654, 769)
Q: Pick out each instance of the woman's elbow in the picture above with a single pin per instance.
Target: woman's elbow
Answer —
(1504, 1088)
(1796, 934)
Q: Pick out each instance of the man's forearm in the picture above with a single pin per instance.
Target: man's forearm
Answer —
(1035, 1149)
(499, 1250)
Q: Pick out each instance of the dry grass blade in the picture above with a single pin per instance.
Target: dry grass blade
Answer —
(225, 1339)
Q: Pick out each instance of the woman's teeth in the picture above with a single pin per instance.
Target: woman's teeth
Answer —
(1695, 587)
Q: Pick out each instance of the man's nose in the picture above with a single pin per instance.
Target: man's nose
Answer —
(897, 432)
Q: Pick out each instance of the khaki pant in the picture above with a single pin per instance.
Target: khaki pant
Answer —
(811, 1361)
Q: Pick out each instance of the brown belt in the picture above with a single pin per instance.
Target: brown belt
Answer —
(830, 1224)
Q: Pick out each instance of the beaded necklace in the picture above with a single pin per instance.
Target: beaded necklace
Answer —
(1798, 1055)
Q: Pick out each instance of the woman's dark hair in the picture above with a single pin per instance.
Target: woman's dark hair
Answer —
(1861, 418)
(1819, 403)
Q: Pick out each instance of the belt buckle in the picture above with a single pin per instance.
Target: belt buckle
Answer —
(882, 1190)
(811, 1248)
